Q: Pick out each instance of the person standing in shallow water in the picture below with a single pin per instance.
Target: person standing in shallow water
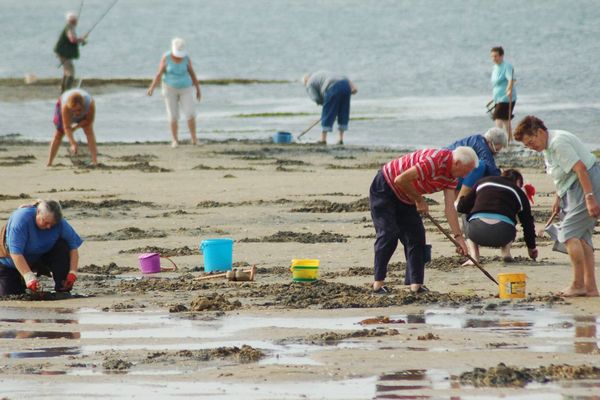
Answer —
(504, 91)
(333, 93)
(67, 50)
(576, 175)
(178, 79)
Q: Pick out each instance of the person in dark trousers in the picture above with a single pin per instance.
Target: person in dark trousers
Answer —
(491, 210)
(396, 200)
(36, 241)
(67, 50)
(333, 93)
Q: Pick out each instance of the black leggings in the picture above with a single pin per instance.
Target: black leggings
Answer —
(55, 263)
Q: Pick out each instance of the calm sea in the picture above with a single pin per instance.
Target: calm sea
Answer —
(422, 67)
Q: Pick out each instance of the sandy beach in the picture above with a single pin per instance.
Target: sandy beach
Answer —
(170, 335)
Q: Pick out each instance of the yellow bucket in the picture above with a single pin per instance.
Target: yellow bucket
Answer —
(304, 270)
(512, 285)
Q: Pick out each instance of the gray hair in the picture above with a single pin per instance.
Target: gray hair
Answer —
(50, 208)
(465, 155)
(497, 136)
(71, 16)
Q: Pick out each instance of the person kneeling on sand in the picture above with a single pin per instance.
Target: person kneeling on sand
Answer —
(36, 241)
(576, 175)
(491, 211)
(396, 199)
(74, 109)
(333, 93)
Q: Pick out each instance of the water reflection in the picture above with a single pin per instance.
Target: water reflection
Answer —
(586, 328)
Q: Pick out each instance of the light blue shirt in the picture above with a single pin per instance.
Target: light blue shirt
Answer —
(25, 238)
(563, 151)
(177, 75)
(501, 75)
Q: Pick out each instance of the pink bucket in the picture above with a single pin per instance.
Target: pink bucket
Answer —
(150, 263)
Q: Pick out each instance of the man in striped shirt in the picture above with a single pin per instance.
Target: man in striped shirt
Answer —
(396, 199)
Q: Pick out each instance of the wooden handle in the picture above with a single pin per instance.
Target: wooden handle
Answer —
(441, 228)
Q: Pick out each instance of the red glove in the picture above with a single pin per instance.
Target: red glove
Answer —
(70, 281)
(31, 282)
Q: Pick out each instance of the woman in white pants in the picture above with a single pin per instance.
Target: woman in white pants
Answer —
(178, 81)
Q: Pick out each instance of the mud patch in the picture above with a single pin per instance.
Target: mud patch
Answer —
(510, 376)
(352, 271)
(163, 251)
(137, 158)
(550, 298)
(115, 363)
(298, 237)
(244, 354)
(144, 166)
(15, 161)
(214, 302)
(381, 320)
(541, 215)
(109, 269)
(203, 167)
(332, 337)
(184, 283)
(330, 295)
(14, 197)
(218, 204)
(112, 204)
(326, 206)
(428, 336)
(371, 165)
(130, 233)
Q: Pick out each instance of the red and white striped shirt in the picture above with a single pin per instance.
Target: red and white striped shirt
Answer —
(434, 168)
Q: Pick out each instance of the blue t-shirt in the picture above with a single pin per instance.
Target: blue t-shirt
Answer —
(501, 75)
(24, 237)
(487, 164)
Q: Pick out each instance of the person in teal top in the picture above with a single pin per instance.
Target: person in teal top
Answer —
(178, 79)
(36, 241)
(576, 175)
(504, 91)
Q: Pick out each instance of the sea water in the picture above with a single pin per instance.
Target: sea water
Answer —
(422, 67)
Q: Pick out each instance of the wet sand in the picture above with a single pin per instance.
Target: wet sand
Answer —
(170, 335)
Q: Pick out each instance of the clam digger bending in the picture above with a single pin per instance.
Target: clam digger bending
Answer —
(396, 199)
(36, 241)
(333, 93)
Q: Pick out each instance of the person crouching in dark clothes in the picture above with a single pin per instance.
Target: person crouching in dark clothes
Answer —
(492, 208)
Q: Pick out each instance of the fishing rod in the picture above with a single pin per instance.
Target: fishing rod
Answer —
(101, 17)
(80, 10)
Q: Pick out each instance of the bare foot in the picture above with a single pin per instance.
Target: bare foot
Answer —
(593, 293)
(573, 292)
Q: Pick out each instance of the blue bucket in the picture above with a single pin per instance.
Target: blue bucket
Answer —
(218, 254)
(282, 137)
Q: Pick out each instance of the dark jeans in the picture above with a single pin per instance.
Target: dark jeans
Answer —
(54, 263)
(395, 220)
(336, 104)
(489, 235)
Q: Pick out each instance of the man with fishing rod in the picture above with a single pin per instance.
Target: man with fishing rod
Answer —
(67, 46)
(67, 50)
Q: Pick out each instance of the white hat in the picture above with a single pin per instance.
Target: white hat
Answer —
(178, 47)
(71, 16)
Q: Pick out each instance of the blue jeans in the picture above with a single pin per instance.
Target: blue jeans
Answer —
(336, 104)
